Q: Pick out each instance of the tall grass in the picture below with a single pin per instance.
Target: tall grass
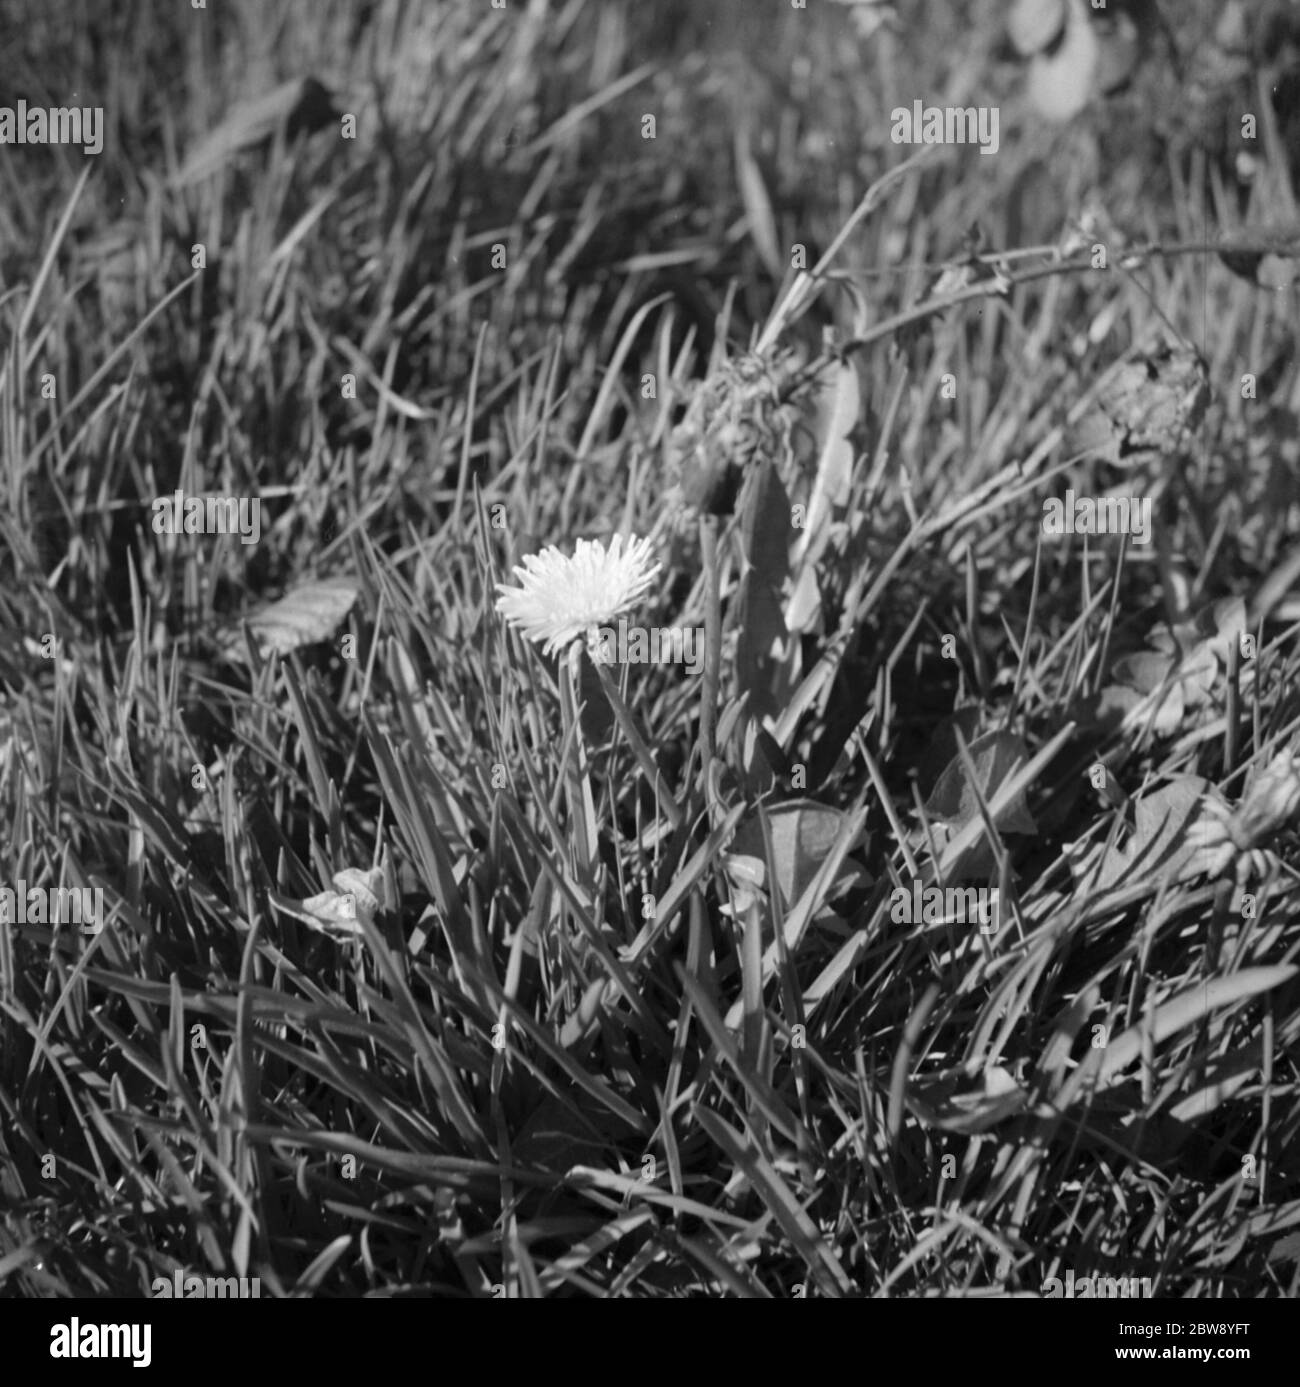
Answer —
(609, 1033)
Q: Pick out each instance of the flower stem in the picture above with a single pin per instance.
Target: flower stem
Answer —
(582, 808)
(645, 758)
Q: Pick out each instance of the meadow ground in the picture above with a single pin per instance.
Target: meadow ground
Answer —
(905, 906)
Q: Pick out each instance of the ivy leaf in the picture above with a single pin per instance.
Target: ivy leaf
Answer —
(802, 834)
(996, 757)
(1162, 841)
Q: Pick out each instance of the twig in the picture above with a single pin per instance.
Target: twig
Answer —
(1003, 283)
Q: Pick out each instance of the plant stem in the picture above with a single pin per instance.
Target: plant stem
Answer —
(712, 653)
(645, 757)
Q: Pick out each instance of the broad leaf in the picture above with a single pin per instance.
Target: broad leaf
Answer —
(996, 756)
(1162, 842)
(802, 834)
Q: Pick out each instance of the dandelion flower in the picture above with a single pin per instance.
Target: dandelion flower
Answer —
(559, 599)
(1270, 802)
(1210, 834)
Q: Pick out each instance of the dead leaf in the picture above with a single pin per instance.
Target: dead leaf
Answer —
(308, 613)
(356, 896)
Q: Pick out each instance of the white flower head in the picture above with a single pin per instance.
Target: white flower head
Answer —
(1229, 835)
(559, 599)
(1271, 801)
